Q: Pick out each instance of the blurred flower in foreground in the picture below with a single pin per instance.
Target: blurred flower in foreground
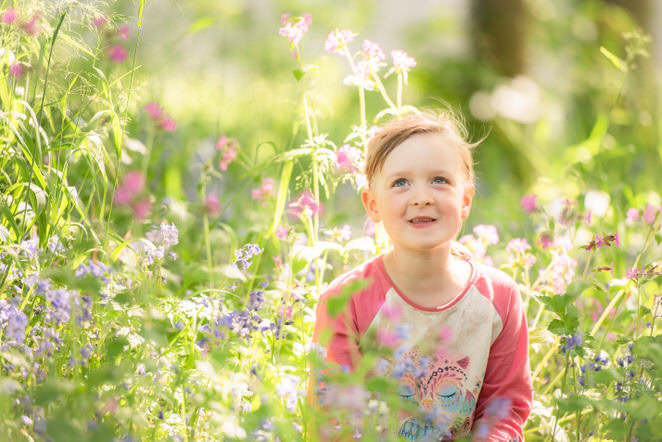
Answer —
(487, 233)
(528, 203)
(132, 184)
(305, 204)
(32, 26)
(347, 158)
(338, 39)
(228, 150)
(632, 214)
(99, 21)
(158, 115)
(649, 213)
(265, 190)
(141, 209)
(16, 70)
(9, 16)
(295, 28)
(117, 53)
(168, 124)
(212, 205)
(123, 32)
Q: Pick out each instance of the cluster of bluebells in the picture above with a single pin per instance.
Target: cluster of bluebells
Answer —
(162, 238)
(12, 324)
(571, 342)
(162, 120)
(245, 254)
(597, 364)
(94, 268)
(228, 149)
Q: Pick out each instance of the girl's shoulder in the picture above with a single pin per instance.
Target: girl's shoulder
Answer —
(494, 283)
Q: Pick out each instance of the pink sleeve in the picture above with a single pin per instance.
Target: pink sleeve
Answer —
(505, 399)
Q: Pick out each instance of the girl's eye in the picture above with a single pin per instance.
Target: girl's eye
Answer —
(399, 182)
(439, 180)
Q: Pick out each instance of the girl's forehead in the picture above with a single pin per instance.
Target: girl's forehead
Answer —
(424, 151)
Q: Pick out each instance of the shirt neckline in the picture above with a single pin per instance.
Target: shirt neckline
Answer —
(441, 308)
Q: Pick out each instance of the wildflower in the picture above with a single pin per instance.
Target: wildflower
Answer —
(392, 312)
(13, 321)
(99, 21)
(212, 205)
(16, 69)
(96, 269)
(288, 390)
(282, 232)
(9, 16)
(632, 214)
(32, 27)
(487, 233)
(228, 151)
(154, 110)
(518, 245)
(123, 32)
(338, 39)
(117, 53)
(166, 234)
(296, 28)
(649, 214)
(347, 158)
(633, 273)
(545, 241)
(265, 190)
(168, 124)
(54, 244)
(609, 268)
(132, 184)
(402, 63)
(246, 253)
(476, 247)
(305, 204)
(528, 203)
(446, 333)
(571, 342)
(30, 247)
(60, 305)
(141, 209)
(372, 58)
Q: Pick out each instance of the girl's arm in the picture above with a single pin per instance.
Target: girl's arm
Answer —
(505, 399)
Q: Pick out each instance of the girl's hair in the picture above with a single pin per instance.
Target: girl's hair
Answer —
(395, 132)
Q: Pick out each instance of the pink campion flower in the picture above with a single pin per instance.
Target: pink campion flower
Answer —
(228, 151)
(373, 57)
(305, 203)
(132, 184)
(141, 209)
(632, 214)
(264, 190)
(361, 76)
(32, 27)
(545, 241)
(338, 39)
(487, 233)
(632, 273)
(168, 124)
(599, 241)
(475, 246)
(402, 63)
(392, 312)
(529, 260)
(347, 158)
(518, 245)
(588, 217)
(9, 16)
(16, 70)
(99, 21)
(387, 338)
(282, 232)
(154, 110)
(295, 28)
(123, 32)
(528, 203)
(117, 53)
(212, 205)
(649, 214)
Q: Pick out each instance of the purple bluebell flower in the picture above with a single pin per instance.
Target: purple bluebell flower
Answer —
(13, 321)
(30, 247)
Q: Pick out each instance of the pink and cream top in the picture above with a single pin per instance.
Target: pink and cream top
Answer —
(465, 363)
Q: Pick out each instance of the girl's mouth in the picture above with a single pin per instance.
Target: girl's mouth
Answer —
(421, 221)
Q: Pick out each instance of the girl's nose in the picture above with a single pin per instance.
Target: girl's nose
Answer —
(421, 198)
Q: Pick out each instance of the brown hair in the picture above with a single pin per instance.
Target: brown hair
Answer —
(395, 132)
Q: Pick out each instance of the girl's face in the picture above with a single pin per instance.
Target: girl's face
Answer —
(421, 194)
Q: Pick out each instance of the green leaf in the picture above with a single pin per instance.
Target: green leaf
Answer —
(379, 384)
(606, 376)
(282, 195)
(616, 429)
(557, 327)
(620, 64)
(298, 74)
(200, 24)
(337, 303)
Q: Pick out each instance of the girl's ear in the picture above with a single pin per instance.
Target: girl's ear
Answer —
(370, 205)
(467, 197)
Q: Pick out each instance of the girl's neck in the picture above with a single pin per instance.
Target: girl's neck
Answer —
(434, 272)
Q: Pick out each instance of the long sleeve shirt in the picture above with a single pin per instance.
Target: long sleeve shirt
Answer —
(465, 363)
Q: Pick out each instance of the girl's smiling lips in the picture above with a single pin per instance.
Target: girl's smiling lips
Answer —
(421, 221)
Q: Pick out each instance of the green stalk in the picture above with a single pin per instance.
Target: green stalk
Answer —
(382, 90)
(399, 96)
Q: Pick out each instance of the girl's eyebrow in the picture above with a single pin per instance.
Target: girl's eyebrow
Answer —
(429, 172)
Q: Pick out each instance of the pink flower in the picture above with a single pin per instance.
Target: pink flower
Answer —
(154, 111)
(347, 158)
(632, 273)
(632, 214)
(212, 205)
(16, 70)
(588, 217)
(446, 333)
(117, 53)
(142, 208)
(123, 32)
(132, 184)
(32, 27)
(228, 151)
(282, 232)
(264, 190)
(487, 233)
(518, 245)
(392, 312)
(168, 124)
(305, 203)
(387, 338)
(545, 241)
(402, 62)
(528, 203)
(99, 21)
(475, 246)
(338, 39)
(9, 16)
(649, 214)
(369, 228)
(296, 28)
(372, 57)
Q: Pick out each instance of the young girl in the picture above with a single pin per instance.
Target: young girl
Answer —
(456, 327)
